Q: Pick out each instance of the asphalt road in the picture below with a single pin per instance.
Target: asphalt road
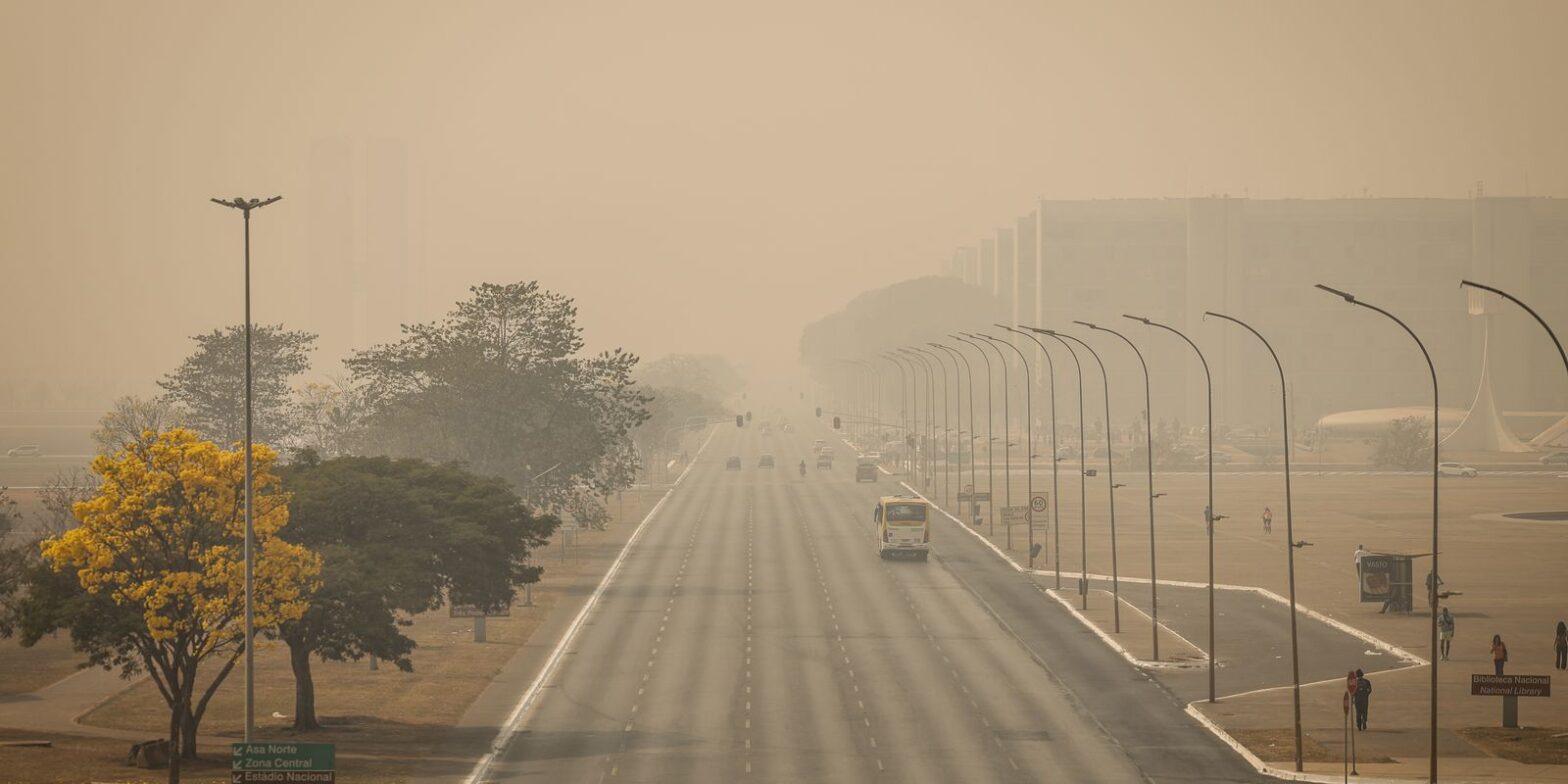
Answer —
(753, 634)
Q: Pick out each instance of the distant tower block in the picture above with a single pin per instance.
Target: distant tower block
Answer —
(1483, 429)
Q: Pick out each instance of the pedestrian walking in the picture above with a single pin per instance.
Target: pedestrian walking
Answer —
(1562, 645)
(1445, 631)
(1499, 653)
(1363, 699)
(1268, 520)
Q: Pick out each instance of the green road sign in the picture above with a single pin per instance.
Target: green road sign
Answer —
(267, 762)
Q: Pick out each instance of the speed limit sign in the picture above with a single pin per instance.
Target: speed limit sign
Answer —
(1037, 504)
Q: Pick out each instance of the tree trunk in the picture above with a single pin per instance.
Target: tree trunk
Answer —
(304, 687)
(188, 736)
(176, 730)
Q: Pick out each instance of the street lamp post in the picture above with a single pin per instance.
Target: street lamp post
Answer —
(1210, 516)
(958, 385)
(903, 394)
(947, 473)
(1083, 477)
(918, 356)
(1056, 494)
(1290, 536)
(1432, 589)
(245, 206)
(1148, 439)
(990, 438)
(1007, 451)
(1028, 441)
(1110, 482)
(1511, 298)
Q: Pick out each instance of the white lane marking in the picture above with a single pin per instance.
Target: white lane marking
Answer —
(509, 728)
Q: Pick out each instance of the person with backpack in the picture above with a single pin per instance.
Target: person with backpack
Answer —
(1499, 653)
(1363, 699)
(1445, 631)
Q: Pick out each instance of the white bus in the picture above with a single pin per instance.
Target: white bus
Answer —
(903, 527)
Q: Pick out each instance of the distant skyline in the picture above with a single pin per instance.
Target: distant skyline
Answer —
(700, 175)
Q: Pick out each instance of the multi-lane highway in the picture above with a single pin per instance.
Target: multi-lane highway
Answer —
(752, 634)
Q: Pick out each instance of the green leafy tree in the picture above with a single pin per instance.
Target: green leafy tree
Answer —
(210, 384)
(13, 556)
(498, 385)
(1406, 444)
(708, 375)
(396, 537)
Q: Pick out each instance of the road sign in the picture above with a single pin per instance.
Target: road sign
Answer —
(1037, 505)
(475, 611)
(1015, 515)
(1510, 685)
(283, 763)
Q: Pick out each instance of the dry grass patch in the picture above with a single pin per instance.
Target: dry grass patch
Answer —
(23, 670)
(1530, 745)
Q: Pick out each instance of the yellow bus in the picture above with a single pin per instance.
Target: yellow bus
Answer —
(903, 527)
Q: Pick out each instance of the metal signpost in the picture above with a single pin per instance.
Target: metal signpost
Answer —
(1014, 515)
(265, 762)
(1510, 688)
(479, 614)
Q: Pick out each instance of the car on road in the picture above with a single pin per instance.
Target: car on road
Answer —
(732, 464)
(788, 428)
(1555, 458)
(25, 450)
(866, 472)
(1219, 457)
(766, 461)
(1455, 469)
(824, 461)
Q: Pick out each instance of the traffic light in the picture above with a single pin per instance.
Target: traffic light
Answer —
(819, 412)
(836, 423)
(740, 421)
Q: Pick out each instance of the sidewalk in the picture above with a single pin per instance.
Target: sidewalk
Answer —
(56, 707)
(1253, 675)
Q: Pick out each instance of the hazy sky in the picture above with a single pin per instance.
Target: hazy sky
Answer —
(700, 175)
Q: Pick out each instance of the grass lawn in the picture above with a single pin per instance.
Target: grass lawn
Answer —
(1530, 745)
(29, 669)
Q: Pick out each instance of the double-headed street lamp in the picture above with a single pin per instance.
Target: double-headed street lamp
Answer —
(1290, 536)
(1432, 587)
(1110, 481)
(1148, 439)
(245, 206)
(1083, 477)
(1056, 494)
(1210, 516)
(990, 437)
(1028, 444)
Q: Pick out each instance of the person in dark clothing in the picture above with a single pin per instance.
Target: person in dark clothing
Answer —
(1562, 645)
(1363, 699)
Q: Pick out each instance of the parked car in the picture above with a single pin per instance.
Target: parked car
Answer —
(1455, 469)
(732, 464)
(866, 472)
(1555, 458)
(765, 462)
(25, 450)
(1219, 457)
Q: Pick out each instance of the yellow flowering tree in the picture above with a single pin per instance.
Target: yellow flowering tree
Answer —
(164, 541)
